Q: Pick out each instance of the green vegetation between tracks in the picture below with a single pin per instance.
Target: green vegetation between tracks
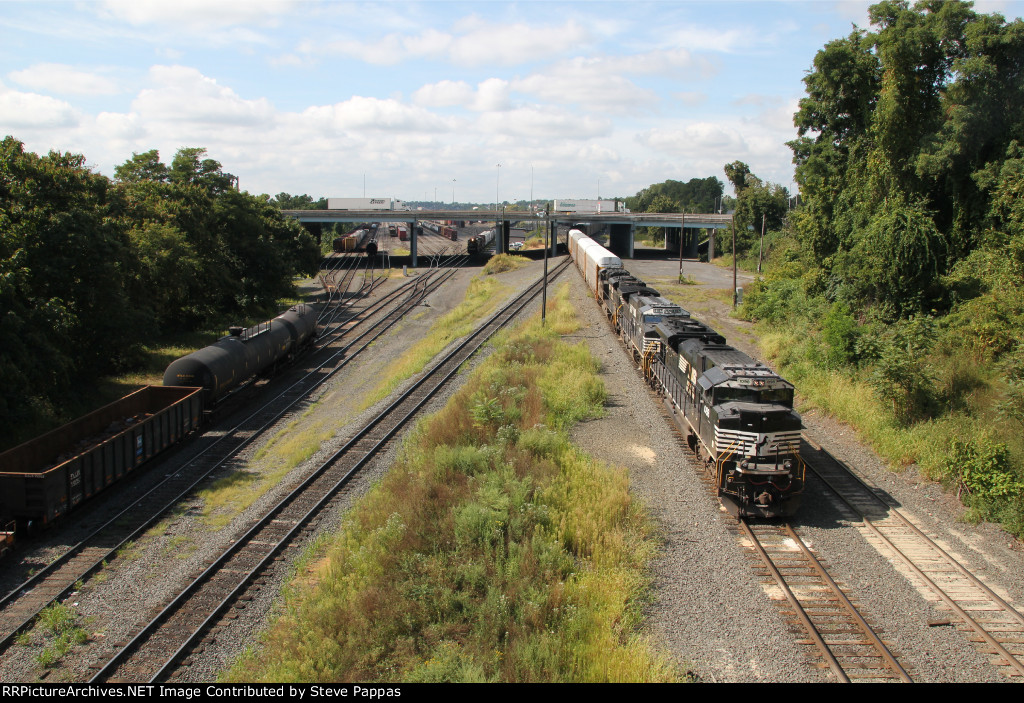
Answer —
(482, 299)
(302, 437)
(492, 551)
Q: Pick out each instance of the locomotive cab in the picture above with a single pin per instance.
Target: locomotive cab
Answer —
(756, 438)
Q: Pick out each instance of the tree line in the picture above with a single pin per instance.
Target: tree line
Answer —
(92, 268)
(903, 266)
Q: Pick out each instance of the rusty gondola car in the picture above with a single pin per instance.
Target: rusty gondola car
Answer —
(44, 478)
(50, 475)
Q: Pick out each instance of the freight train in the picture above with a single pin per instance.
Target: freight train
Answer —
(445, 229)
(478, 244)
(737, 414)
(44, 478)
(351, 242)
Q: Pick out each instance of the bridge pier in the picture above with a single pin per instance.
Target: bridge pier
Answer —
(620, 239)
(412, 241)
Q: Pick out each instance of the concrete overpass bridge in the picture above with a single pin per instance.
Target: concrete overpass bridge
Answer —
(682, 231)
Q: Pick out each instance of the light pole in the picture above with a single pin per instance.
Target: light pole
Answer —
(453, 193)
(497, 182)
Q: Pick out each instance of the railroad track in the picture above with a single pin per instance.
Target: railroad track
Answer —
(20, 607)
(818, 609)
(155, 651)
(817, 606)
(990, 623)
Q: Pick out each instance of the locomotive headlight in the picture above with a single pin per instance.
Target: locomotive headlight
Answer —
(744, 464)
(788, 464)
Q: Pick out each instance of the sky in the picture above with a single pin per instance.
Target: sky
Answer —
(422, 101)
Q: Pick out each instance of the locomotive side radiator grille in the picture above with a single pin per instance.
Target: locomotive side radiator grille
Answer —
(753, 444)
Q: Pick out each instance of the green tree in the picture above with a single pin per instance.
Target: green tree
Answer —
(189, 168)
(64, 271)
(696, 195)
(143, 167)
(901, 139)
(757, 204)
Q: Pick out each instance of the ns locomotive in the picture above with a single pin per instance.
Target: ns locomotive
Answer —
(477, 245)
(737, 414)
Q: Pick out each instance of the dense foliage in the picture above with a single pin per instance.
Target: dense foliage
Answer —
(91, 268)
(903, 268)
(696, 195)
(906, 135)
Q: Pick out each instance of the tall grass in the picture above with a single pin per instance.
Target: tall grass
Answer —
(492, 551)
(500, 263)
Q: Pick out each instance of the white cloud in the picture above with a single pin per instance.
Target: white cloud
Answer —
(691, 98)
(757, 100)
(374, 114)
(473, 42)
(31, 111)
(489, 95)
(64, 79)
(445, 94)
(586, 82)
(539, 123)
(183, 94)
(689, 139)
(193, 13)
(113, 125)
(729, 41)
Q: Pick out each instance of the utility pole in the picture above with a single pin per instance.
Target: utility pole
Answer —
(734, 301)
(544, 288)
(682, 230)
(760, 249)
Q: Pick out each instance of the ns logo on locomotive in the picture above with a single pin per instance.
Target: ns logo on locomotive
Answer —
(737, 414)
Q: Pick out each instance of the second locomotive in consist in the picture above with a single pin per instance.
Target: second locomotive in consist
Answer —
(736, 412)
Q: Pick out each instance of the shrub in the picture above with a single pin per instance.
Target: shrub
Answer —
(839, 331)
(982, 469)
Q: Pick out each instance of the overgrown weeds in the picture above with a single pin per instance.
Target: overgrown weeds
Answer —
(500, 263)
(492, 551)
(924, 390)
(57, 625)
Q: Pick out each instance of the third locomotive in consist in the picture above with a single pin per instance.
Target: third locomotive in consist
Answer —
(736, 412)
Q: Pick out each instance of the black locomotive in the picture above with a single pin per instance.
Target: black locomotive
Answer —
(477, 245)
(736, 412)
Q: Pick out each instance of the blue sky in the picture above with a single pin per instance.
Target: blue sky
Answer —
(573, 99)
